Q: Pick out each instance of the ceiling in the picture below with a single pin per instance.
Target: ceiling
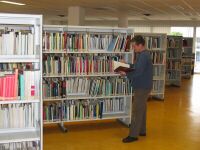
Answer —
(109, 9)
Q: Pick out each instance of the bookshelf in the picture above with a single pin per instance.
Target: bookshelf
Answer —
(21, 124)
(187, 57)
(173, 60)
(157, 44)
(86, 84)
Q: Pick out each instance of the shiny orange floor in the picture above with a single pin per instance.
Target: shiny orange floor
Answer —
(172, 124)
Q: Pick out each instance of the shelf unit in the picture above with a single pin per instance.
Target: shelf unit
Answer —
(123, 116)
(173, 59)
(187, 57)
(157, 45)
(33, 24)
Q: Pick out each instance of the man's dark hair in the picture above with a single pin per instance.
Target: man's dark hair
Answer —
(138, 39)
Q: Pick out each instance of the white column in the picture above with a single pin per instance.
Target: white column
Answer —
(194, 40)
(123, 22)
(76, 16)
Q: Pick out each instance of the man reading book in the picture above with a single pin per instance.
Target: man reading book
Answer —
(142, 81)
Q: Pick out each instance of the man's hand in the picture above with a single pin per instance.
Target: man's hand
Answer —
(124, 62)
(122, 73)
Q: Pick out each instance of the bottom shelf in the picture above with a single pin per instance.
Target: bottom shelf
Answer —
(19, 137)
(105, 116)
(172, 80)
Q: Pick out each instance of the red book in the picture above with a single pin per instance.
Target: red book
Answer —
(3, 89)
(44, 118)
(65, 40)
(12, 87)
(81, 66)
(7, 87)
(79, 43)
(15, 84)
(76, 66)
(125, 45)
(86, 66)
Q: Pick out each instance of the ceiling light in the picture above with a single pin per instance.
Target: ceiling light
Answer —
(176, 7)
(147, 14)
(12, 3)
(106, 8)
(193, 18)
(187, 14)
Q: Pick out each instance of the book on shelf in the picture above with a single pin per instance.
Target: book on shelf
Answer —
(20, 43)
(30, 145)
(19, 85)
(16, 115)
(81, 109)
(79, 65)
(96, 86)
(85, 42)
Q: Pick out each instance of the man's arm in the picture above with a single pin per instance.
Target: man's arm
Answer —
(141, 64)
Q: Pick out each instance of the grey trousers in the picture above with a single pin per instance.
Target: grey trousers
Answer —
(138, 121)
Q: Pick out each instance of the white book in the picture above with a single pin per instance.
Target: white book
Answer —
(20, 44)
(23, 44)
(29, 115)
(29, 44)
(80, 85)
(2, 117)
(26, 44)
(83, 84)
(71, 111)
(12, 43)
(117, 64)
(1, 43)
(68, 112)
(4, 44)
(17, 116)
(16, 45)
(6, 125)
(10, 109)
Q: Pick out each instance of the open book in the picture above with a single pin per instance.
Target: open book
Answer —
(118, 66)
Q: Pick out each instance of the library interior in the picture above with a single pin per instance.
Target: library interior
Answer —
(90, 74)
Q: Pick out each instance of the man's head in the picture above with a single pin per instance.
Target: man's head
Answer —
(138, 43)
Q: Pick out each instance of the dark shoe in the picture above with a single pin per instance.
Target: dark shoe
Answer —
(129, 139)
(142, 134)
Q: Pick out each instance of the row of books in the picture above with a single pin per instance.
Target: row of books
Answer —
(172, 53)
(59, 88)
(83, 65)
(22, 84)
(152, 42)
(29, 145)
(155, 87)
(173, 65)
(158, 58)
(16, 115)
(80, 109)
(120, 43)
(64, 41)
(85, 42)
(156, 71)
(17, 43)
(171, 75)
(99, 42)
(186, 70)
(186, 61)
(172, 43)
(11, 66)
